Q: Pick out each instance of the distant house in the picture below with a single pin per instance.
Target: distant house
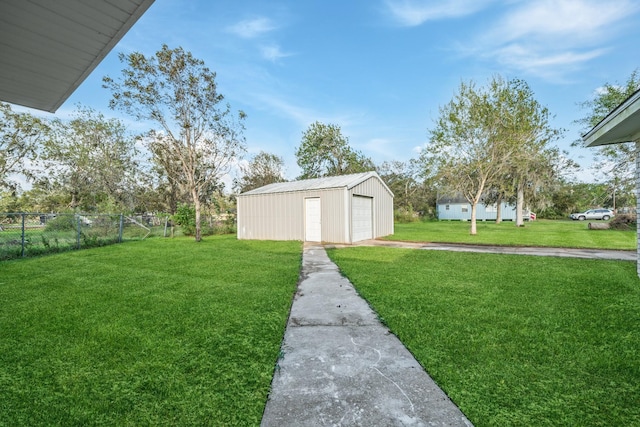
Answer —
(457, 208)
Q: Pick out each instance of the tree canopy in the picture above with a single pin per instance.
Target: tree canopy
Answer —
(324, 151)
(262, 169)
(20, 134)
(198, 138)
(491, 138)
(615, 160)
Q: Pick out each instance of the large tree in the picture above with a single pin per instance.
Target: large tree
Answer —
(20, 136)
(524, 124)
(466, 146)
(196, 130)
(262, 169)
(410, 186)
(324, 151)
(615, 160)
(93, 160)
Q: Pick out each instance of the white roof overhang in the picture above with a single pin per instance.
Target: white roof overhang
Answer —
(48, 48)
(621, 125)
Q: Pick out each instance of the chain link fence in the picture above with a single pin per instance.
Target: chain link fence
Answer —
(30, 234)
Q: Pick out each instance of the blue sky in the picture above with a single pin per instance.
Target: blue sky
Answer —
(380, 69)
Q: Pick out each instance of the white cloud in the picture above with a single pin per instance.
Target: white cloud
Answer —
(549, 38)
(252, 28)
(273, 52)
(566, 21)
(412, 13)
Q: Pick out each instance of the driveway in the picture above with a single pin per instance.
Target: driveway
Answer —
(515, 250)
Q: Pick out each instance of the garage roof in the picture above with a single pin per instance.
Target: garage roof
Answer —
(342, 181)
(48, 48)
(621, 125)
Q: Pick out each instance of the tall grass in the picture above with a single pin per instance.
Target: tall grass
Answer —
(158, 332)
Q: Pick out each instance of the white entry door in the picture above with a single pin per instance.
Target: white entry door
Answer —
(312, 223)
(362, 218)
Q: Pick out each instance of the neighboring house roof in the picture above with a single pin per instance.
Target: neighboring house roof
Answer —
(342, 181)
(458, 198)
(621, 125)
(444, 200)
(48, 48)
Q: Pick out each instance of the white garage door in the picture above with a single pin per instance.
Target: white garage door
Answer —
(313, 220)
(362, 218)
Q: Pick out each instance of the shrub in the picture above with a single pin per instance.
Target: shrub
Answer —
(185, 217)
(406, 215)
(623, 222)
(62, 223)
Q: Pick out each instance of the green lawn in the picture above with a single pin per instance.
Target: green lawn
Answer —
(513, 340)
(573, 234)
(158, 332)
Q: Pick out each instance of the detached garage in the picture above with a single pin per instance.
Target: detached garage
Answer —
(337, 209)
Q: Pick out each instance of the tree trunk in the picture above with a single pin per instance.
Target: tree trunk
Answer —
(474, 228)
(196, 203)
(598, 226)
(519, 205)
(499, 210)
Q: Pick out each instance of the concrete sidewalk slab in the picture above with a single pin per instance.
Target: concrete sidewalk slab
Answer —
(341, 367)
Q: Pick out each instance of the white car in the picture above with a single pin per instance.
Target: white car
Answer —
(603, 214)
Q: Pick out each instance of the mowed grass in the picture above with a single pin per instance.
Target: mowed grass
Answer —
(513, 340)
(159, 332)
(568, 234)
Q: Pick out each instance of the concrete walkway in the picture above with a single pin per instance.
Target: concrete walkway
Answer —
(341, 367)
(516, 250)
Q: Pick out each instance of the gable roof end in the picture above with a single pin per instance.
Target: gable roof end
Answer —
(342, 181)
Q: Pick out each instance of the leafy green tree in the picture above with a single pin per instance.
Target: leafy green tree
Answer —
(263, 169)
(196, 131)
(413, 194)
(467, 147)
(615, 160)
(524, 124)
(93, 159)
(20, 136)
(324, 151)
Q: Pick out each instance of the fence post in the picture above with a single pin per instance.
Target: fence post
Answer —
(23, 215)
(77, 217)
(121, 227)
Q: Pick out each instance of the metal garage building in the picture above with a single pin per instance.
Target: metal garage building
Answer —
(337, 209)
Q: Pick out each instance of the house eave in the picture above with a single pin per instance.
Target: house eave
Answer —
(620, 126)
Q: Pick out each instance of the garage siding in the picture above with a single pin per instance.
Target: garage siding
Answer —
(281, 216)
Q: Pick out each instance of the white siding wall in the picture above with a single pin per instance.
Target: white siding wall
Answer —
(280, 216)
(483, 213)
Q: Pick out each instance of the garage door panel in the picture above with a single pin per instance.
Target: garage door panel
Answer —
(362, 218)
